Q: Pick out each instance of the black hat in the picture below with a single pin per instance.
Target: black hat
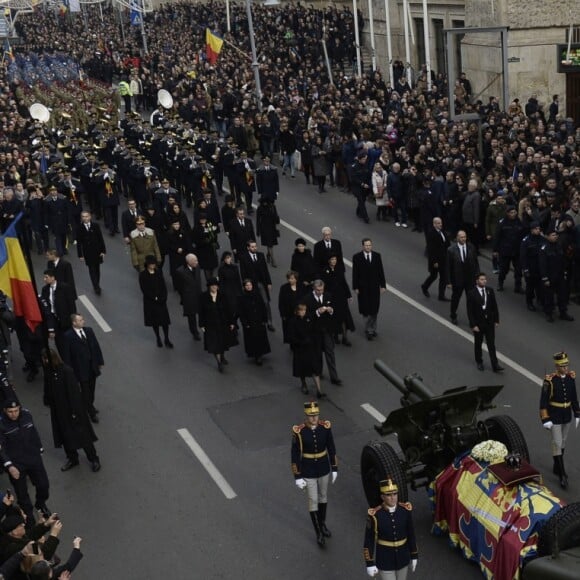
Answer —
(561, 359)
(150, 260)
(213, 282)
(10, 523)
(11, 402)
(510, 208)
(361, 154)
(201, 216)
(534, 225)
(229, 198)
(300, 241)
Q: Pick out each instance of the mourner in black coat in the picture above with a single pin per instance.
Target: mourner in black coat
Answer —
(91, 248)
(216, 323)
(266, 221)
(241, 231)
(189, 284)
(59, 303)
(335, 282)
(71, 428)
(253, 318)
(327, 247)
(303, 263)
(128, 220)
(179, 244)
(437, 245)
(306, 354)
(288, 298)
(154, 292)
(230, 282)
(62, 269)
(56, 218)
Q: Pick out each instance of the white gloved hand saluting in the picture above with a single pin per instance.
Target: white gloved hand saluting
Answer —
(300, 484)
(335, 473)
(548, 425)
(413, 565)
(372, 571)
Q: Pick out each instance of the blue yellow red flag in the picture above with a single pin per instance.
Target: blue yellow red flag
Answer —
(214, 46)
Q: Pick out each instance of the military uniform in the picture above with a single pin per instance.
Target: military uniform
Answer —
(313, 458)
(390, 543)
(558, 403)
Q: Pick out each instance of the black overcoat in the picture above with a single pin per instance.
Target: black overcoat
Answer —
(154, 291)
(254, 318)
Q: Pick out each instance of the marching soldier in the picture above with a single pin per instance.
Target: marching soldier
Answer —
(313, 460)
(558, 403)
(390, 547)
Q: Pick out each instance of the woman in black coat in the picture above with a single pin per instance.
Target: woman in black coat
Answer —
(179, 244)
(154, 291)
(174, 212)
(303, 263)
(71, 427)
(337, 285)
(206, 245)
(306, 355)
(254, 319)
(266, 221)
(230, 282)
(217, 323)
(288, 297)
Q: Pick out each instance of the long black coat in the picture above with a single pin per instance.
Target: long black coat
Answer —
(64, 306)
(189, 284)
(437, 246)
(304, 264)
(176, 240)
(56, 214)
(336, 284)
(84, 357)
(266, 221)
(306, 355)
(64, 273)
(206, 245)
(90, 244)
(462, 274)
(215, 317)
(154, 291)
(254, 318)
(230, 285)
(288, 299)
(368, 279)
(71, 427)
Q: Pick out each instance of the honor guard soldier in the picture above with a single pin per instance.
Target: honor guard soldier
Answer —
(313, 460)
(558, 403)
(390, 547)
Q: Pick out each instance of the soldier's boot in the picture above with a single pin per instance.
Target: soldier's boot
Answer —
(563, 466)
(319, 536)
(555, 469)
(322, 520)
(562, 472)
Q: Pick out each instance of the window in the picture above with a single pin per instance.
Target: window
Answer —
(458, 39)
(439, 45)
(419, 41)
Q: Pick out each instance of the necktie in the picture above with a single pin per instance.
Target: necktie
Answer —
(462, 248)
(88, 226)
(254, 257)
(52, 299)
(368, 258)
(328, 246)
(242, 223)
(83, 335)
(134, 213)
(442, 235)
(484, 296)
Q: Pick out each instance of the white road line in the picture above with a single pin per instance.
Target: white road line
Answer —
(207, 463)
(374, 413)
(402, 296)
(95, 313)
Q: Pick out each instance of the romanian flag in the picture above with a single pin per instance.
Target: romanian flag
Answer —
(15, 280)
(213, 46)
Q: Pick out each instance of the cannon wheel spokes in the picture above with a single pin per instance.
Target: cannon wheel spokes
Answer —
(562, 528)
(380, 461)
(504, 429)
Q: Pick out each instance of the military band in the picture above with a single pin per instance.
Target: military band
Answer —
(558, 405)
(314, 463)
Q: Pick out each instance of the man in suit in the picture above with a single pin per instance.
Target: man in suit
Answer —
(253, 266)
(241, 230)
(109, 197)
(437, 245)
(128, 220)
(56, 218)
(327, 247)
(59, 304)
(83, 354)
(267, 181)
(91, 248)
(246, 172)
(320, 310)
(368, 281)
(483, 316)
(62, 269)
(189, 286)
(462, 268)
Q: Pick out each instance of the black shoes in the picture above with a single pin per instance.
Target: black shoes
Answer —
(454, 319)
(566, 316)
(159, 343)
(94, 418)
(425, 291)
(498, 369)
(480, 366)
(443, 299)
(549, 318)
(304, 388)
(196, 337)
(500, 287)
(43, 509)
(69, 465)
(531, 307)
(518, 290)
(320, 395)
(259, 361)
(168, 343)
(271, 328)
(337, 382)
(98, 291)
(346, 342)
(96, 465)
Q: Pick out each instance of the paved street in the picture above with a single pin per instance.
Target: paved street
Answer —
(153, 511)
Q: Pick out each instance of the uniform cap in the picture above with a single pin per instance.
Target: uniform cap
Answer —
(388, 486)
(10, 523)
(311, 408)
(561, 358)
(534, 225)
(11, 403)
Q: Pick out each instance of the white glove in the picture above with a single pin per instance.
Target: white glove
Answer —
(413, 565)
(300, 484)
(335, 473)
(577, 422)
(548, 425)
(372, 571)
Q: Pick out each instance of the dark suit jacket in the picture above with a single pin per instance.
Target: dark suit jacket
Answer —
(85, 357)
(64, 306)
(127, 223)
(56, 214)
(321, 254)
(256, 271)
(462, 273)
(326, 321)
(437, 249)
(64, 273)
(368, 279)
(90, 244)
(190, 289)
(475, 311)
(239, 236)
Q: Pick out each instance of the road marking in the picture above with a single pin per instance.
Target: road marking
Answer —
(413, 303)
(207, 463)
(374, 413)
(95, 313)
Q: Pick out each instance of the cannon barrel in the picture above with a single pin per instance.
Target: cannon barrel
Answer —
(416, 385)
(392, 377)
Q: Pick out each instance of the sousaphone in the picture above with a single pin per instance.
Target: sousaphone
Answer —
(39, 112)
(165, 99)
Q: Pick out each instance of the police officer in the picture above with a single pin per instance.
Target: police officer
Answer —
(313, 459)
(390, 547)
(552, 270)
(21, 451)
(558, 403)
(506, 246)
(530, 264)
(360, 182)
(267, 181)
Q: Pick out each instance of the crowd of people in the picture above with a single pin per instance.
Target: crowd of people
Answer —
(190, 172)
